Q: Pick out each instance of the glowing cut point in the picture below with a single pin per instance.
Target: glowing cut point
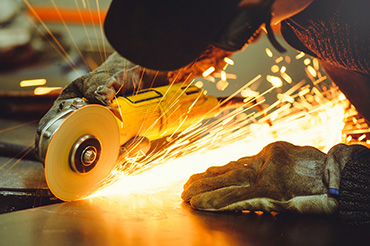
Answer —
(32, 82)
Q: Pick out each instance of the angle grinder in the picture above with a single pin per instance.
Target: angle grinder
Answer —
(81, 145)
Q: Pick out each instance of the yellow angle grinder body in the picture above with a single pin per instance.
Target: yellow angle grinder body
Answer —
(80, 146)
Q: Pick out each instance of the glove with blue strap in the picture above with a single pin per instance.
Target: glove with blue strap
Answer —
(282, 177)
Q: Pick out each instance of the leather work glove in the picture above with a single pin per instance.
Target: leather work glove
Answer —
(282, 177)
(116, 76)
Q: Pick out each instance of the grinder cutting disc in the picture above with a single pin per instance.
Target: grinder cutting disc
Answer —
(82, 152)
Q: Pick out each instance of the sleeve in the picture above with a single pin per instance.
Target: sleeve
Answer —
(337, 32)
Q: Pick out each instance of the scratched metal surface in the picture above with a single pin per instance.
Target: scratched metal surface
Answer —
(160, 218)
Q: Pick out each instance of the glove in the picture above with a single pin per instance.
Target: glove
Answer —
(282, 177)
(116, 76)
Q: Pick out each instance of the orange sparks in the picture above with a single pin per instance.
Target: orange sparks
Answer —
(362, 137)
(279, 59)
(223, 75)
(307, 61)
(46, 90)
(247, 92)
(316, 64)
(229, 61)
(208, 71)
(275, 68)
(312, 71)
(222, 85)
(228, 138)
(269, 52)
(275, 81)
(32, 82)
(299, 56)
(199, 84)
(302, 115)
(287, 78)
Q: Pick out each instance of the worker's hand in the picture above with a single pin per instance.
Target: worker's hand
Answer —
(100, 86)
(282, 177)
(116, 76)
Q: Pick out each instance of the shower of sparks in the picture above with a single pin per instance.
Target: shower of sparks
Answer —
(306, 114)
(214, 144)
